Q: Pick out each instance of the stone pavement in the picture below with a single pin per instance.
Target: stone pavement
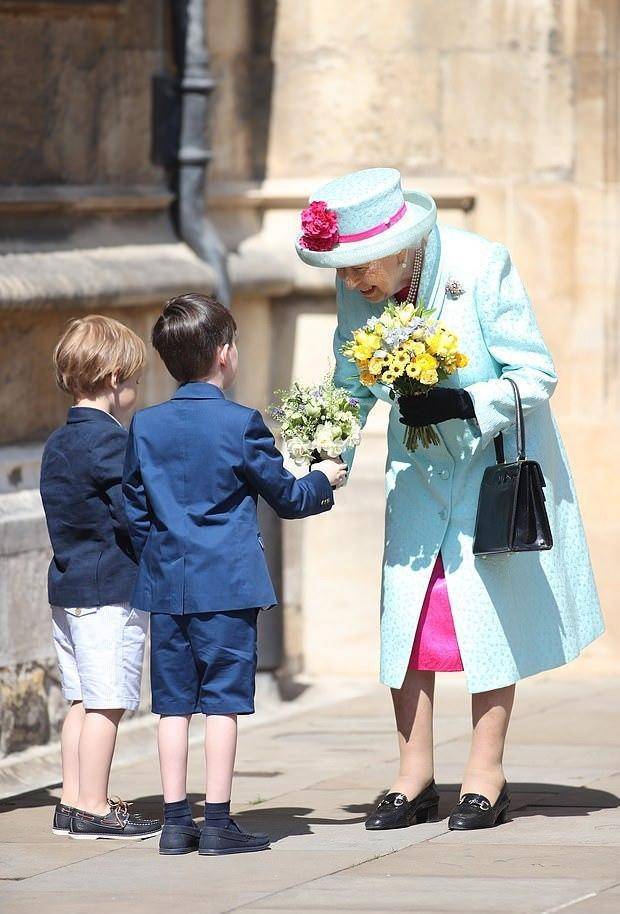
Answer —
(309, 779)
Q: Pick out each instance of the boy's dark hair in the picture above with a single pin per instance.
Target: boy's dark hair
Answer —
(189, 332)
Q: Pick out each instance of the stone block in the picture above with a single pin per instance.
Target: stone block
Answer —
(461, 25)
(24, 717)
(22, 860)
(140, 25)
(591, 25)
(490, 216)
(228, 27)
(72, 60)
(426, 24)
(30, 403)
(461, 861)
(506, 115)
(391, 90)
(23, 77)
(123, 136)
(254, 383)
(606, 901)
(20, 467)
(25, 622)
(591, 103)
(22, 526)
(589, 828)
(353, 891)
(231, 114)
(542, 242)
(308, 25)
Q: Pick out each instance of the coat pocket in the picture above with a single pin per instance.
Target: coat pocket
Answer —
(79, 611)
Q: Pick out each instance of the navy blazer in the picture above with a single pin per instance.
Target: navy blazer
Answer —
(194, 469)
(81, 489)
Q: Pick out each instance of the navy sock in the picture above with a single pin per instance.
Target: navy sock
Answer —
(217, 815)
(178, 813)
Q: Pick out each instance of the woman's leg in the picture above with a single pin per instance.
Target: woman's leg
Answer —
(490, 716)
(172, 742)
(69, 746)
(97, 741)
(413, 709)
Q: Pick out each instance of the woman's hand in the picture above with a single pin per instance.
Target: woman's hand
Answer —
(438, 405)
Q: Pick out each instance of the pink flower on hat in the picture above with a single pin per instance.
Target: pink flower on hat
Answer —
(320, 227)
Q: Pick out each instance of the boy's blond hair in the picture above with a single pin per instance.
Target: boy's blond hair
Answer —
(91, 349)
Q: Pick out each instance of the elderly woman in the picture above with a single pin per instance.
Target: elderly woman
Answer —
(499, 618)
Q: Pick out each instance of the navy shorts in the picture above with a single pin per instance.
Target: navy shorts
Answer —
(203, 662)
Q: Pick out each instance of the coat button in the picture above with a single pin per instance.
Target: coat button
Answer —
(443, 514)
(445, 474)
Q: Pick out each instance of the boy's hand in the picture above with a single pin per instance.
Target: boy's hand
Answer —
(335, 470)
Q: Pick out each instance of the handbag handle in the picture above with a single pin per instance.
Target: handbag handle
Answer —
(498, 441)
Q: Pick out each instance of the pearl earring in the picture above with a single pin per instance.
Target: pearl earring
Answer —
(403, 265)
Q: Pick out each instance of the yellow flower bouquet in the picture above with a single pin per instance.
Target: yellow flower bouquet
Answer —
(407, 351)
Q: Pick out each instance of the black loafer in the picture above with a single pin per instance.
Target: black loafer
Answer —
(62, 817)
(215, 842)
(396, 811)
(179, 839)
(117, 824)
(475, 811)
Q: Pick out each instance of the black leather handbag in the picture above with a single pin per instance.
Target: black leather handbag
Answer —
(511, 507)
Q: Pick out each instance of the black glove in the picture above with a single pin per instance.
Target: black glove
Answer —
(439, 404)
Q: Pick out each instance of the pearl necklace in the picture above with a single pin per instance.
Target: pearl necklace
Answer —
(414, 285)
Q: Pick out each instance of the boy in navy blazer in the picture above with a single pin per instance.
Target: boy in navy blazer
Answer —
(194, 469)
(98, 635)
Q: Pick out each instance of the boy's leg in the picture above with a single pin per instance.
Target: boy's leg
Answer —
(227, 689)
(96, 749)
(69, 745)
(174, 685)
(72, 726)
(172, 742)
(109, 645)
(172, 739)
(220, 751)
(95, 817)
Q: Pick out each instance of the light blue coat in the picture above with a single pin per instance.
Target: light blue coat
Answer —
(514, 615)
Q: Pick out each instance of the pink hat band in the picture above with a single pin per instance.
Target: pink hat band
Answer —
(377, 229)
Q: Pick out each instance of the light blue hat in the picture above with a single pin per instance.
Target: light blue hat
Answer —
(363, 216)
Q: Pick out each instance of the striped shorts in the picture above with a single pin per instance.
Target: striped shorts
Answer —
(100, 653)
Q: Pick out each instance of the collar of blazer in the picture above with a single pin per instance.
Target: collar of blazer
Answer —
(90, 414)
(198, 390)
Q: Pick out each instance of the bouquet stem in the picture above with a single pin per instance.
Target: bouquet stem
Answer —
(423, 435)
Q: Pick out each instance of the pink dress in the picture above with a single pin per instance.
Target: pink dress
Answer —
(435, 646)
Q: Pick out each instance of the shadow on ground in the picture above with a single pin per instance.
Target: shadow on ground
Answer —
(549, 800)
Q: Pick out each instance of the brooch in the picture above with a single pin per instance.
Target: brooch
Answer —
(454, 288)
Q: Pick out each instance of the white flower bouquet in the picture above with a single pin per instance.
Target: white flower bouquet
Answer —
(317, 421)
